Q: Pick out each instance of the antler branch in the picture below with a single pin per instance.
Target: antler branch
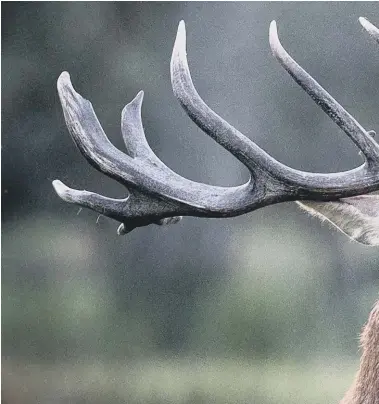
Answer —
(159, 195)
(322, 98)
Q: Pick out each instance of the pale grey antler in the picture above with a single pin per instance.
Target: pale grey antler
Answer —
(370, 28)
(158, 195)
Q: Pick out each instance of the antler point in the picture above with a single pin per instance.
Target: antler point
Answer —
(57, 184)
(64, 78)
(136, 101)
(60, 188)
(273, 36)
(182, 25)
(179, 57)
(181, 35)
(65, 87)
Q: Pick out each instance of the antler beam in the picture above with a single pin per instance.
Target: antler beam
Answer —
(159, 195)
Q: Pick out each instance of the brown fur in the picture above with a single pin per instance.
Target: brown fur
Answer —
(365, 389)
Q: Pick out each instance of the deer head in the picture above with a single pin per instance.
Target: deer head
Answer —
(158, 195)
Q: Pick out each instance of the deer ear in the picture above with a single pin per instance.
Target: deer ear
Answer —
(357, 217)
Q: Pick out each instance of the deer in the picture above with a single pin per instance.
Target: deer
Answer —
(347, 200)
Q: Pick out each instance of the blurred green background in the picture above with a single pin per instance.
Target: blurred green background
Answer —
(264, 308)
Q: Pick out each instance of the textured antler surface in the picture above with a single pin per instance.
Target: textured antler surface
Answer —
(158, 195)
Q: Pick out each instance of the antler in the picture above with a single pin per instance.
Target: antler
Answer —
(158, 195)
(370, 28)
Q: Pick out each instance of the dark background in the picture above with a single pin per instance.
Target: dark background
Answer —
(263, 308)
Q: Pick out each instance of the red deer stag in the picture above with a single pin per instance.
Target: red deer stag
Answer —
(159, 195)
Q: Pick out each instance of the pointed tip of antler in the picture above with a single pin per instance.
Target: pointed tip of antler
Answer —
(179, 70)
(138, 99)
(132, 128)
(62, 190)
(273, 25)
(273, 37)
(180, 41)
(366, 24)
(66, 90)
(136, 102)
(182, 27)
(362, 20)
(63, 80)
(369, 27)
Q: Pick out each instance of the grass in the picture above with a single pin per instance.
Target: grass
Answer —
(177, 381)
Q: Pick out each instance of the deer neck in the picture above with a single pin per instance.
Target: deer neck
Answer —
(365, 389)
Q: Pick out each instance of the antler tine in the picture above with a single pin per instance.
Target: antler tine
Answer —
(134, 134)
(370, 28)
(336, 112)
(132, 128)
(107, 206)
(136, 209)
(250, 154)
